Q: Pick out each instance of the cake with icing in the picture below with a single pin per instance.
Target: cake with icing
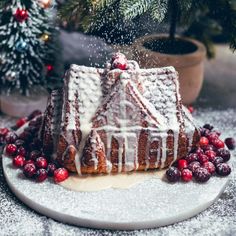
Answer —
(118, 119)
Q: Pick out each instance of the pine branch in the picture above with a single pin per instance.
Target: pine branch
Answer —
(159, 10)
(101, 4)
(133, 8)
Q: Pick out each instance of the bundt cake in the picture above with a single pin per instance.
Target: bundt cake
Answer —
(118, 119)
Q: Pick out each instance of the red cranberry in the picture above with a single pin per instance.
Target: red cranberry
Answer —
(198, 151)
(29, 170)
(19, 161)
(223, 169)
(182, 164)
(173, 174)
(191, 109)
(41, 162)
(210, 167)
(224, 153)
(21, 151)
(218, 143)
(60, 175)
(34, 114)
(202, 175)
(11, 137)
(186, 175)
(208, 126)
(194, 165)
(211, 154)
(29, 162)
(191, 157)
(21, 122)
(203, 158)
(120, 63)
(212, 137)
(41, 175)
(51, 168)
(4, 132)
(203, 142)
(230, 143)
(34, 155)
(218, 160)
(209, 148)
(11, 149)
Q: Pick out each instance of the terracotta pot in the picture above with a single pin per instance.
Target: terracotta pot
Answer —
(190, 66)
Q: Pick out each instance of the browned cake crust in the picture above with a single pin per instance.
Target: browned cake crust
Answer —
(96, 155)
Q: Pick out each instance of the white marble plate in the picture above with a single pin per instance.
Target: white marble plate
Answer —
(152, 203)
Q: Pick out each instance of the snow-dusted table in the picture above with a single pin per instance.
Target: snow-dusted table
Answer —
(219, 219)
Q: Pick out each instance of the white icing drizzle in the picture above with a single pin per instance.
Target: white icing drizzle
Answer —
(156, 102)
(164, 149)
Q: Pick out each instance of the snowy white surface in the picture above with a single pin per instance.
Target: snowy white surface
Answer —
(219, 219)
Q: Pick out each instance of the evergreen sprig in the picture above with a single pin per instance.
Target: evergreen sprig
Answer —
(202, 19)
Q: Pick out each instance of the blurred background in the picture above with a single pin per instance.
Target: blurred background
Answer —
(197, 37)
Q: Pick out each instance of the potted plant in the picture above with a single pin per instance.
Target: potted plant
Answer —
(28, 57)
(196, 18)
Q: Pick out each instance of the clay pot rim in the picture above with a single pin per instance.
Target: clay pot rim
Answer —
(192, 58)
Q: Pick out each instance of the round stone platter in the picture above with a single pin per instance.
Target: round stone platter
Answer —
(149, 204)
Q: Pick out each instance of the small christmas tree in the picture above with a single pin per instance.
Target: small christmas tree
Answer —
(27, 46)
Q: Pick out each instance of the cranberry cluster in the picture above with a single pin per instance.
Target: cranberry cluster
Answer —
(207, 159)
(26, 152)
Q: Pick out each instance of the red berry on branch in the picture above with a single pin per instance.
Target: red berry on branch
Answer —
(21, 15)
(49, 68)
(19, 161)
(21, 122)
(11, 149)
(186, 175)
(60, 175)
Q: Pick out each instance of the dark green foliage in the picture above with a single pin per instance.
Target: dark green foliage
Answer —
(202, 19)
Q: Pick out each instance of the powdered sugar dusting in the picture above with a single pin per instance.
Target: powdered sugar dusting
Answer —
(219, 219)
